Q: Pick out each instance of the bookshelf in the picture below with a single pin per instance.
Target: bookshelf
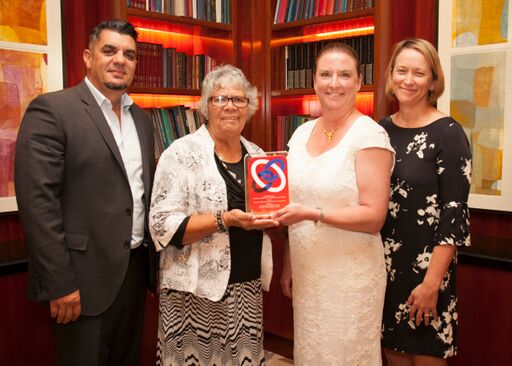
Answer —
(255, 44)
(300, 39)
(189, 36)
(177, 47)
(278, 101)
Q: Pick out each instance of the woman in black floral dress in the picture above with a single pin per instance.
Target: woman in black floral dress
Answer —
(428, 215)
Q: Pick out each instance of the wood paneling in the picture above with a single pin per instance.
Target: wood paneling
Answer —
(25, 335)
(277, 309)
(485, 319)
(25, 327)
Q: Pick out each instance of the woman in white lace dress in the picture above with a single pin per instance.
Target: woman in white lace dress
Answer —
(339, 172)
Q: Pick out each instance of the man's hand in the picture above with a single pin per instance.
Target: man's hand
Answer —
(66, 308)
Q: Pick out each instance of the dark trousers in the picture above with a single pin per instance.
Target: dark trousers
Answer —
(113, 337)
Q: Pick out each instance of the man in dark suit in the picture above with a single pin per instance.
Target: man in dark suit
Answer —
(83, 174)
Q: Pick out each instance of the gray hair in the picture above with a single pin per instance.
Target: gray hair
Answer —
(227, 76)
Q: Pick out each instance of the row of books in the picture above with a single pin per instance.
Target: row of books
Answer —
(300, 59)
(160, 67)
(285, 126)
(210, 10)
(292, 10)
(171, 123)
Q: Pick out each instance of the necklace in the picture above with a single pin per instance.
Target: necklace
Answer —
(232, 173)
(329, 134)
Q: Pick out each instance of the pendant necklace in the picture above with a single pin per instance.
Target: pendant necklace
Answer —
(329, 134)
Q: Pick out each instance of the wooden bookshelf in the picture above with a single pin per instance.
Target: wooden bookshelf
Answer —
(184, 34)
(355, 14)
(134, 12)
(351, 25)
(253, 43)
(164, 91)
(311, 91)
(279, 101)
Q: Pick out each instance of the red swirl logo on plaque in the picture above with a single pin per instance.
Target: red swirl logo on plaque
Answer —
(266, 182)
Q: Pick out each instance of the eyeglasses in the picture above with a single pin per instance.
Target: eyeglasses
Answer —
(222, 100)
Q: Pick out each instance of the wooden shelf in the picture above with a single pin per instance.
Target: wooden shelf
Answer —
(185, 34)
(134, 12)
(311, 91)
(165, 91)
(324, 19)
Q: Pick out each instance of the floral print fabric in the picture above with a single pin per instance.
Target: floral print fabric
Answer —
(188, 182)
(428, 207)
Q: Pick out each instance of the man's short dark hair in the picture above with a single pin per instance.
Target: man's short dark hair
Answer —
(116, 25)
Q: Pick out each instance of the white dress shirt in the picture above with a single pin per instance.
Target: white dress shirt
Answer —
(127, 139)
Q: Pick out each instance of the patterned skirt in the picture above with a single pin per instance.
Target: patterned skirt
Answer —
(194, 331)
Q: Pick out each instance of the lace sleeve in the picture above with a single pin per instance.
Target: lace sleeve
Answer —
(374, 135)
(169, 203)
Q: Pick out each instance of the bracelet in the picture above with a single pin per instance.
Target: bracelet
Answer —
(219, 222)
(321, 217)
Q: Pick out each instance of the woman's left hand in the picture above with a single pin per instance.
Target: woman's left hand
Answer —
(423, 303)
(293, 213)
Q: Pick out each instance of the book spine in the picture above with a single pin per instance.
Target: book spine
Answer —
(329, 7)
(302, 65)
(309, 65)
(322, 7)
(289, 66)
(291, 10)
(369, 61)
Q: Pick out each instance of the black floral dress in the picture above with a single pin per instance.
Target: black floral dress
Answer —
(428, 207)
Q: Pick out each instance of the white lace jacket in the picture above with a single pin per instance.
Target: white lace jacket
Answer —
(187, 182)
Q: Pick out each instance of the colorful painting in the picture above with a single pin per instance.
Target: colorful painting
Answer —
(23, 21)
(477, 101)
(22, 78)
(30, 64)
(479, 22)
(477, 62)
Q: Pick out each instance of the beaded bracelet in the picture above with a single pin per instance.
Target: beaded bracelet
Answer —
(219, 222)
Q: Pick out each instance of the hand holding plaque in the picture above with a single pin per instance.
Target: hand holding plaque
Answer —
(266, 177)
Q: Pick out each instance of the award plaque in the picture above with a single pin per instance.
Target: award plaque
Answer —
(266, 179)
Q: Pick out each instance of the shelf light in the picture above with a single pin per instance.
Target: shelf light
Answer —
(347, 32)
(343, 33)
(164, 36)
(164, 100)
(309, 104)
(164, 32)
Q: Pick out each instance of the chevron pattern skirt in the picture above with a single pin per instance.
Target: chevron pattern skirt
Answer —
(194, 331)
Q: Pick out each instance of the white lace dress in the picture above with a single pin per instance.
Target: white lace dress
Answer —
(339, 276)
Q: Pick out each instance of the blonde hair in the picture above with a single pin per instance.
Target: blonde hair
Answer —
(430, 53)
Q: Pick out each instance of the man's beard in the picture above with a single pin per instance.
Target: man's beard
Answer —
(113, 86)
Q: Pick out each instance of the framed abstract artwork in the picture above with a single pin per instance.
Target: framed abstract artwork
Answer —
(476, 54)
(30, 64)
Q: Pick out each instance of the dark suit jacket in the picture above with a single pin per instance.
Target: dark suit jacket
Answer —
(74, 197)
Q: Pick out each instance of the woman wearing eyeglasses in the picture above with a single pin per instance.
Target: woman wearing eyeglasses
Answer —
(214, 257)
